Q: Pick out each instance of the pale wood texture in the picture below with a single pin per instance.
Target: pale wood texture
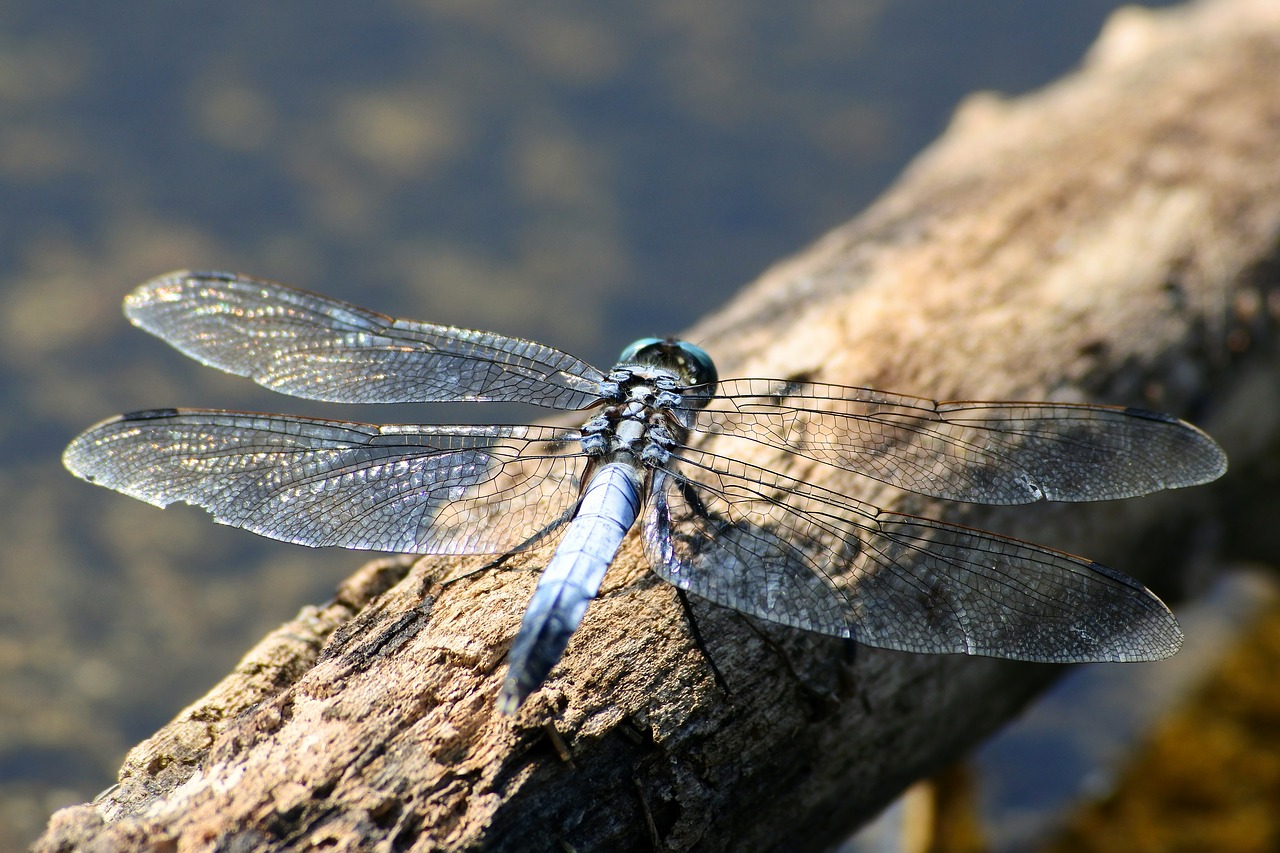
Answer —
(1111, 238)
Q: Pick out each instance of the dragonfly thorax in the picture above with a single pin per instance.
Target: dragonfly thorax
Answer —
(638, 422)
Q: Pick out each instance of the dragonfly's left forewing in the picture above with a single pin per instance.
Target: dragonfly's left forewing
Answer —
(404, 488)
(313, 346)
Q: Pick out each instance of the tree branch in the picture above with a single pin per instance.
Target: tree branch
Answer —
(1111, 238)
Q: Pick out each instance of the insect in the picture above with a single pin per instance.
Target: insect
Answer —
(656, 444)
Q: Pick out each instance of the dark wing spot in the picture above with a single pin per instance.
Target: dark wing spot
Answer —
(148, 414)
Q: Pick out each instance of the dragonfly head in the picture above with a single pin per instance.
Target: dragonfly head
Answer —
(691, 363)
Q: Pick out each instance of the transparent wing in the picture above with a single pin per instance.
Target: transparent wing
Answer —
(311, 346)
(411, 489)
(982, 452)
(795, 553)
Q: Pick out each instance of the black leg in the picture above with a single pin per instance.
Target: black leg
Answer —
(699, 643)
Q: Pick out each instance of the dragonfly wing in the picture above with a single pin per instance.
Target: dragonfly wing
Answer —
(982, 452)
(748, 538)
(311, 346)
(699, 542)
(411, 489)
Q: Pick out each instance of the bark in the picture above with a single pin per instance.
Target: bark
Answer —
(1112, 237)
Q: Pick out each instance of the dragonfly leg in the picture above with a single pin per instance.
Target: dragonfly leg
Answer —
(497, 561)
(492, 564)
(699, 642)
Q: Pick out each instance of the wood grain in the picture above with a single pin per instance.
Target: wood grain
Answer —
(1110, 238)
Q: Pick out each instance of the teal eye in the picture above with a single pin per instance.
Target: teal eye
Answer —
(691, 362)
(631, 355)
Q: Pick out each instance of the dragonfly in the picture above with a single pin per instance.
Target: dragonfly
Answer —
(662, 441)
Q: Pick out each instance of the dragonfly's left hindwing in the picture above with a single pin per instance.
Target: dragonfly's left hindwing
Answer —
(402, 488)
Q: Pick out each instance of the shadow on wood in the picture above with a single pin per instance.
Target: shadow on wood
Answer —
(1111, 238)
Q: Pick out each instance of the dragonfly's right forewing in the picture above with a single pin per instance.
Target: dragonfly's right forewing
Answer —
(404, 488)
(984, 452)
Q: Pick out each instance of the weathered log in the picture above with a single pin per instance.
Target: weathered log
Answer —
(1111, 238)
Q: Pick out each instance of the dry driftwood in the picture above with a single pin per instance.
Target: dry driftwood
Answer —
(1110, 238)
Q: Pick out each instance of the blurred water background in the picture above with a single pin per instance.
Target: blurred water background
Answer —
(582, 174)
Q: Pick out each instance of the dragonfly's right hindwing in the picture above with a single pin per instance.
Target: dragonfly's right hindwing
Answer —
(792, 552)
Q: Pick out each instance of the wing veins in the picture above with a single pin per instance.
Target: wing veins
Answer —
(1047, 558)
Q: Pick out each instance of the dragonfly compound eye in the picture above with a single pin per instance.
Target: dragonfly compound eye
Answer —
(690, 362)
